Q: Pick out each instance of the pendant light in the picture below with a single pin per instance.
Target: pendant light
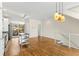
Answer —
(56, 16)
(59, 17)
(62, 18)
(59, 14)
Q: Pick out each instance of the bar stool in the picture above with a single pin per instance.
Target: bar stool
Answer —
(23, 39)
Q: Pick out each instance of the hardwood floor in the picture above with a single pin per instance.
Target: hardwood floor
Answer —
(12, 47)
(43, 47)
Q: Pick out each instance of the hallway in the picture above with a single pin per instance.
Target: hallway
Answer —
(12, 47)
(44, 47)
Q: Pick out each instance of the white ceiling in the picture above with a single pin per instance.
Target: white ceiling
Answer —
(75, 9)
(73, 12)
(36, 10)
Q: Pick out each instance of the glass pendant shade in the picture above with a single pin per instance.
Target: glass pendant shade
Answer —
(62, 18)
(59, 17)
(56, 16)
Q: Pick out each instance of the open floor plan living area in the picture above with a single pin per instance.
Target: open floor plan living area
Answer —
(39, 29)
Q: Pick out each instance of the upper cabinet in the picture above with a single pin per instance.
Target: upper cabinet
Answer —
(5, 22)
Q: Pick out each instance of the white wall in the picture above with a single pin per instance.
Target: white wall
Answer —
(31, 27)
(53, 29)
(70, 25)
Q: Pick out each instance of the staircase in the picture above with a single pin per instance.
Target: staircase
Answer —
(65, 41)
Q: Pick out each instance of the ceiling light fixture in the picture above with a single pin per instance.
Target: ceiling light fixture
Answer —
(59, 14)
